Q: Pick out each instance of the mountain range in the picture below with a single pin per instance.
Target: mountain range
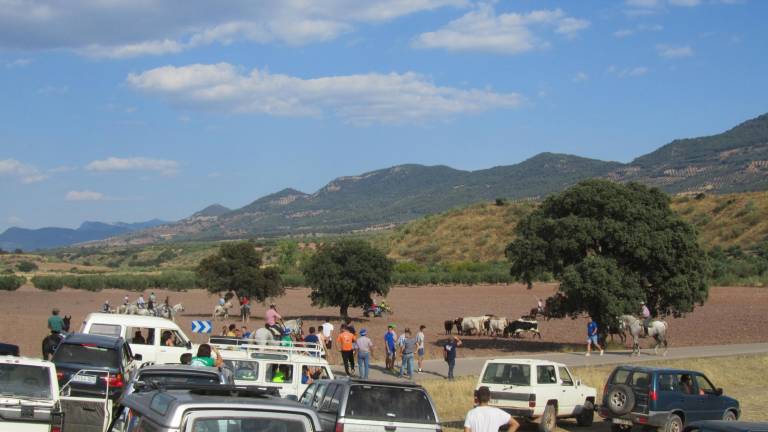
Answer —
(51, 237)
(733, 161)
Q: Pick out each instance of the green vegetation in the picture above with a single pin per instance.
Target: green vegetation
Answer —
(171, 280)
(26, 266)
(11, 282)
(237, 267)
(611, 246)
(347, 274)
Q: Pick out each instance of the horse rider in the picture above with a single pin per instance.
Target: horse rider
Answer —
(125, 301)
(55, 323)
(105, 307)
(646, 314)
(152, 301)
(272, 318)
(140, 302)
(245, 303)
(540, 306)
(221, 300)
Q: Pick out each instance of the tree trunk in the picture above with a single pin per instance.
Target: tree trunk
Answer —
(344, 310)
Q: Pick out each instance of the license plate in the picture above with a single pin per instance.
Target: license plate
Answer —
(27, 412)
(85, 379)
(619, 421)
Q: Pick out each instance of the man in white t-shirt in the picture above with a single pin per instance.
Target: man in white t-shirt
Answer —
(484, 418)
(327, 332)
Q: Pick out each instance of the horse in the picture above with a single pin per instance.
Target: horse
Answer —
(295, 326)
(245, 313)
(221, 312)
(656, 329)
(50, 343)
(619, 330)
(169, 313)
(67, 321)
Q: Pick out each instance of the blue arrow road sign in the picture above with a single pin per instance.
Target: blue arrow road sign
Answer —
(201, 326)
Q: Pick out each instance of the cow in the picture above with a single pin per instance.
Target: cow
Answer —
(519, 326)
(497, 326)
(448, 324)
(457, 323)
(474, 324)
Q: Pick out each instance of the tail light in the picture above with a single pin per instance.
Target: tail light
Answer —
(55, 428)
(532, 401)
(57, 419)
(113, 380)
(339, 427)
(653, 396)
(59, 375)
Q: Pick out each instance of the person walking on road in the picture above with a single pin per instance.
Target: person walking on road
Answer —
(407, 349)
(592, 337)
(449, 354)
(420, 346)
(364, 353)
(346, 341)
(484, 418)
(389, 344)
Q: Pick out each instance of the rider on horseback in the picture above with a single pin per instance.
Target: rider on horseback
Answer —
(272, 318)
(646, 314)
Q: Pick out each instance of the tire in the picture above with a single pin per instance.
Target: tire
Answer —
(587, 415)
(674, 424)
(621, 399)
(548, 421)
(729, 416)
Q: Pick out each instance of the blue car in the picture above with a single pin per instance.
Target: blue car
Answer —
(667, 399)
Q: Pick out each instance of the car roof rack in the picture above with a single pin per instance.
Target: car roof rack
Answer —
(270, 347)
(210, 389)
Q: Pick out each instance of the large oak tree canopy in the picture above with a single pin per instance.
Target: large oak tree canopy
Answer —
(237, 268)
(611, 246)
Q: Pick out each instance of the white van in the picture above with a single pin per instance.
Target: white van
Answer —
(269, 364)
(146, 335)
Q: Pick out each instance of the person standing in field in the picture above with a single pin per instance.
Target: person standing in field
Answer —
(407, 350)
(389, 344)
(449, 354)
(484, 418)
(420, 346)
(327, 334)
(592, 337)
(364, 353)
(346, 341)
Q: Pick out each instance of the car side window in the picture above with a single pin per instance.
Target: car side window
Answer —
(279, 373)
(336, 399)
(641, 379)
(546, 374)
(328, 396)
(139, 335)
(705, 387)
(667, 383)
(306, 398)
(565, 376)
(317, 398)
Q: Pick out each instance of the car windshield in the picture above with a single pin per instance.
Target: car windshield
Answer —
(395, 404)
(86, 355)
(242, 370)
(507, 374)
(178, 377)
(25, 381)
(248, 425)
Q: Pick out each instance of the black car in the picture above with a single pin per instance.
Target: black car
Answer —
(726, 426)
(352, 405)
(90, 365)
(9, 349)
(668, 399)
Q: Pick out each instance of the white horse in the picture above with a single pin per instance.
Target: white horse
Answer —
(657, 329)
(169, 313)
(295, 326)
(221, 312)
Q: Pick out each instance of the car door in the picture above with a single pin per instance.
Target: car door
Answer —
(321, 402)
(570, 398)
(141, 340)
(547, 387)
(170, 354)
(692, 403)
(288, 382)
(712, 407)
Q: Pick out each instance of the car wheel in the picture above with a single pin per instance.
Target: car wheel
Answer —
(621, 400)
(587, 415)
(729, 416)
(674, 424)
(548, 421)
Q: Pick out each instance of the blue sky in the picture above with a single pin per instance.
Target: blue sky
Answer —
(134, 109)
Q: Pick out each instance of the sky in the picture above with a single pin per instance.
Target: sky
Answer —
(128, 110)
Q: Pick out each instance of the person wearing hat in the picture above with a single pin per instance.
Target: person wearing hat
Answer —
(286, 340)
(646, 313)
(449, 354)
(55, 323)
(364, 353)
(389, 344)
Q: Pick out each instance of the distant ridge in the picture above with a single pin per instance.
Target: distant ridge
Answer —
(212, 211)
(733, 161)
(51, 237)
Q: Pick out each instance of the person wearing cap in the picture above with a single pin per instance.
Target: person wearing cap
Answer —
(646, 313)
(286, 340)
(389, 344)
(484, 418)
(55, 323)
(346, 341)
(449, 354)
(364, 353)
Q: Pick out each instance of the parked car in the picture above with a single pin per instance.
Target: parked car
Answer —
(351, 405)
(177, 375)
(145, 334)
(667, 399)
(532, 389)
(29, 395)
(726, 426)
(92, 365)
(9, 349)
(212, 409)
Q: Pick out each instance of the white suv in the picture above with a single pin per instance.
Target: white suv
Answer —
(543, 389)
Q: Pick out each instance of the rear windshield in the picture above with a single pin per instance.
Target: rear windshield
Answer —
(395, 404)
(86, 355)
(178, 378)
(620, 377)
(25, 381)
(507, 374)
(230, 424)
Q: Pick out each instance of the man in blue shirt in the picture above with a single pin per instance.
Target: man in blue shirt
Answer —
(592, 337)
(312, 338)
(389, 343)
(449, 354)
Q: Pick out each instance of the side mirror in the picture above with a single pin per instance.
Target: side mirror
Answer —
(189, 345)
(137, 357)
(578, 382)
(718, 391)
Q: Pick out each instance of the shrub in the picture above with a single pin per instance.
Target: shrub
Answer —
(26, 266)
(11, 283)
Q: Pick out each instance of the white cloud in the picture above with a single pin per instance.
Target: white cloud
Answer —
(18, 63)
(628, 72)
(626, 32)
(129, 28)
(361, 99)
(162, 166)
(84, 195)
(20, 171)
(648, 7)
(511, 33)
(623, 33)
(674, 51)
(580, 77)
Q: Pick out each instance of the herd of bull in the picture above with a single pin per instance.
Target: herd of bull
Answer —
(491, 325)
